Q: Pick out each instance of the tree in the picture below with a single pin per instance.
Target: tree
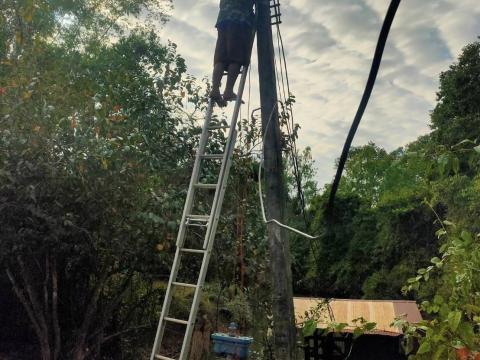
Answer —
(91, 134)
(451, 329)
(456, 116)
(366, 171)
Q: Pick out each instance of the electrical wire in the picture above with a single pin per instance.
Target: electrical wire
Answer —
(274, 220)
(260, 192)
(290, 125)
(286, 103)
(260, 181)
(377, 59)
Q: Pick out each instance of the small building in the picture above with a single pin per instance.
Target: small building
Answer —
(383, 343)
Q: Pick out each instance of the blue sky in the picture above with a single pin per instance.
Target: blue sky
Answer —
(329, 45)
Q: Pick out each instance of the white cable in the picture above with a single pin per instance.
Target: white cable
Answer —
(261, 194)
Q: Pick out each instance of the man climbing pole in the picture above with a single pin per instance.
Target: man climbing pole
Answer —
(234, 45)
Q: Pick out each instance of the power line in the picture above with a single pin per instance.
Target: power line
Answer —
(260, 192)
(377, 59)
(290, 125)
(287, 110)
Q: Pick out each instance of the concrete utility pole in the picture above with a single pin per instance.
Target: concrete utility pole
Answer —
(280, 264)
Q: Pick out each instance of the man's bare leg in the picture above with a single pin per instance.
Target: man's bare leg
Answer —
(216, 80)
(233, 71)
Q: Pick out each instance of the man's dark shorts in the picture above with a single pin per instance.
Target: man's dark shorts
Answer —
(234, 44)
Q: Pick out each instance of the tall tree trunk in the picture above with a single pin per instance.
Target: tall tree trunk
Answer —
(80, 351)
(55, 322)
(41, 331)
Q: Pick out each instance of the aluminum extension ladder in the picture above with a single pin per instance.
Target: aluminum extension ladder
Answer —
(210, 221)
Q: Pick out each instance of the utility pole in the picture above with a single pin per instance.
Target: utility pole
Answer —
(280, 263)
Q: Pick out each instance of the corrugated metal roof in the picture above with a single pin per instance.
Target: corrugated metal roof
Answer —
(381, 312)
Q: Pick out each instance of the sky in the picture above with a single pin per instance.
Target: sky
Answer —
(329, 48)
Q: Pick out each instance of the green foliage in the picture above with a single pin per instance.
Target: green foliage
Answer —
(240, 308)
(366, 171)
(97, 148)
(319, 319)
(309, 327)
(382, 228)
(454, 311)
(369, 247)
(95, 153)
(386, 222)
(318, 314)
(456, 116)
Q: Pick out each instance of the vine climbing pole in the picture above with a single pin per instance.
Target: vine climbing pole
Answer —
(280, 264)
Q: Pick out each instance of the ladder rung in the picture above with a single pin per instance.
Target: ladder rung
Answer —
(212, 156)
(205, 186)
(198, 217)
(193, 251)
(184, 284)
(177, 321)
(195, 224)
(161, 357)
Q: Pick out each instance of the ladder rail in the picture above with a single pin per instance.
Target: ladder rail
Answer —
(195, 174)
(166, 304)
(226, 162)
(181, 233)
(211, 226)
(201, 280)
(215, 215)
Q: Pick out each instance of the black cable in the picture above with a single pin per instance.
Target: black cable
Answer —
(382, 40)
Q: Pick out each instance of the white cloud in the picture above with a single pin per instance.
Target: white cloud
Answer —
(329, 46)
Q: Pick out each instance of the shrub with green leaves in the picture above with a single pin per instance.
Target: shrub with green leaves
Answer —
(453, 314)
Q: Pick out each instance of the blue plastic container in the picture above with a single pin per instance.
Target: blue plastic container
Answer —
(224, 344)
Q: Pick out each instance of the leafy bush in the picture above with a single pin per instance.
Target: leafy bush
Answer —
(454, 312)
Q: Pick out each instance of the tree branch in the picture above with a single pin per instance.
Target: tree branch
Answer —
(56, 324)
(114, 304)
(89, 314)
(46, 300)
(24, 301)
(37, 308)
